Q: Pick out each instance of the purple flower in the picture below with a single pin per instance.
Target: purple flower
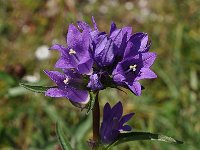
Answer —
(69, 85)
(76, 55)
(113, 123)
(134, 68)
(138, 43)
(107, 47)
(101, 46)
(103, 51)
(120, 38)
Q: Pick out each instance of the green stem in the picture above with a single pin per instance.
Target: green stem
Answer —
(96, 121)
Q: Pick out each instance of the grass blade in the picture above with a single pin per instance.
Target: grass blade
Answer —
(63, 143)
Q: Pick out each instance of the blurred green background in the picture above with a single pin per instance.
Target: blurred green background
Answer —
(169, 105)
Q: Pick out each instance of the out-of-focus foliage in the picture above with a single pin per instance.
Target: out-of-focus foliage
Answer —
(168, 105)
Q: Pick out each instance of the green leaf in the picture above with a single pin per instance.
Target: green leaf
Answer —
(37, 89)
(63, 143)
(91, 103)
(138, 136)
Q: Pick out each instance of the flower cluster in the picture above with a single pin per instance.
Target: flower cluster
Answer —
(113, 123)
(94, 60)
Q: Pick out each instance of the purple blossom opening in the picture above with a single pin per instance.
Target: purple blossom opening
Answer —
(113, 122)
(132, 69)
(68, 86)
(138, 43)
(76, 55)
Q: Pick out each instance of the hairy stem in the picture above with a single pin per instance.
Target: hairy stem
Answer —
(96, 119)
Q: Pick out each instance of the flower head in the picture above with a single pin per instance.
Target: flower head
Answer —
(113, 122)
(102, 60)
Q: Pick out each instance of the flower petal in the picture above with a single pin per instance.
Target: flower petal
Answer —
(80, 96)
(148, 59)
(117, 110)
(118, 73)
(118, 78)
(72, 73)
(138, 43)
(146, 73)
(106, 112)
(85, 66)
(55, 92)
(126, 118)
(80, 44)
(120, 37)
(84, 26)
(94, 23)
(118, 34)
(135, 88)
(56, 76)
(126, 128)
(73, 36)
(108, 136)
(57, 47)
(65, 62)
(113, 27)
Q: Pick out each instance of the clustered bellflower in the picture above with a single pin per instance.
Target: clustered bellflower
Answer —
(93, 60)
(113, 123)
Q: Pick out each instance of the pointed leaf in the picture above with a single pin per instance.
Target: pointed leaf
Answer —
(33, 88)
(63, 143)
(137, 136)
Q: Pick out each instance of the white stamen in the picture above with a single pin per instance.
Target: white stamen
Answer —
(133, 67)
(72, 52)
(66, 81)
